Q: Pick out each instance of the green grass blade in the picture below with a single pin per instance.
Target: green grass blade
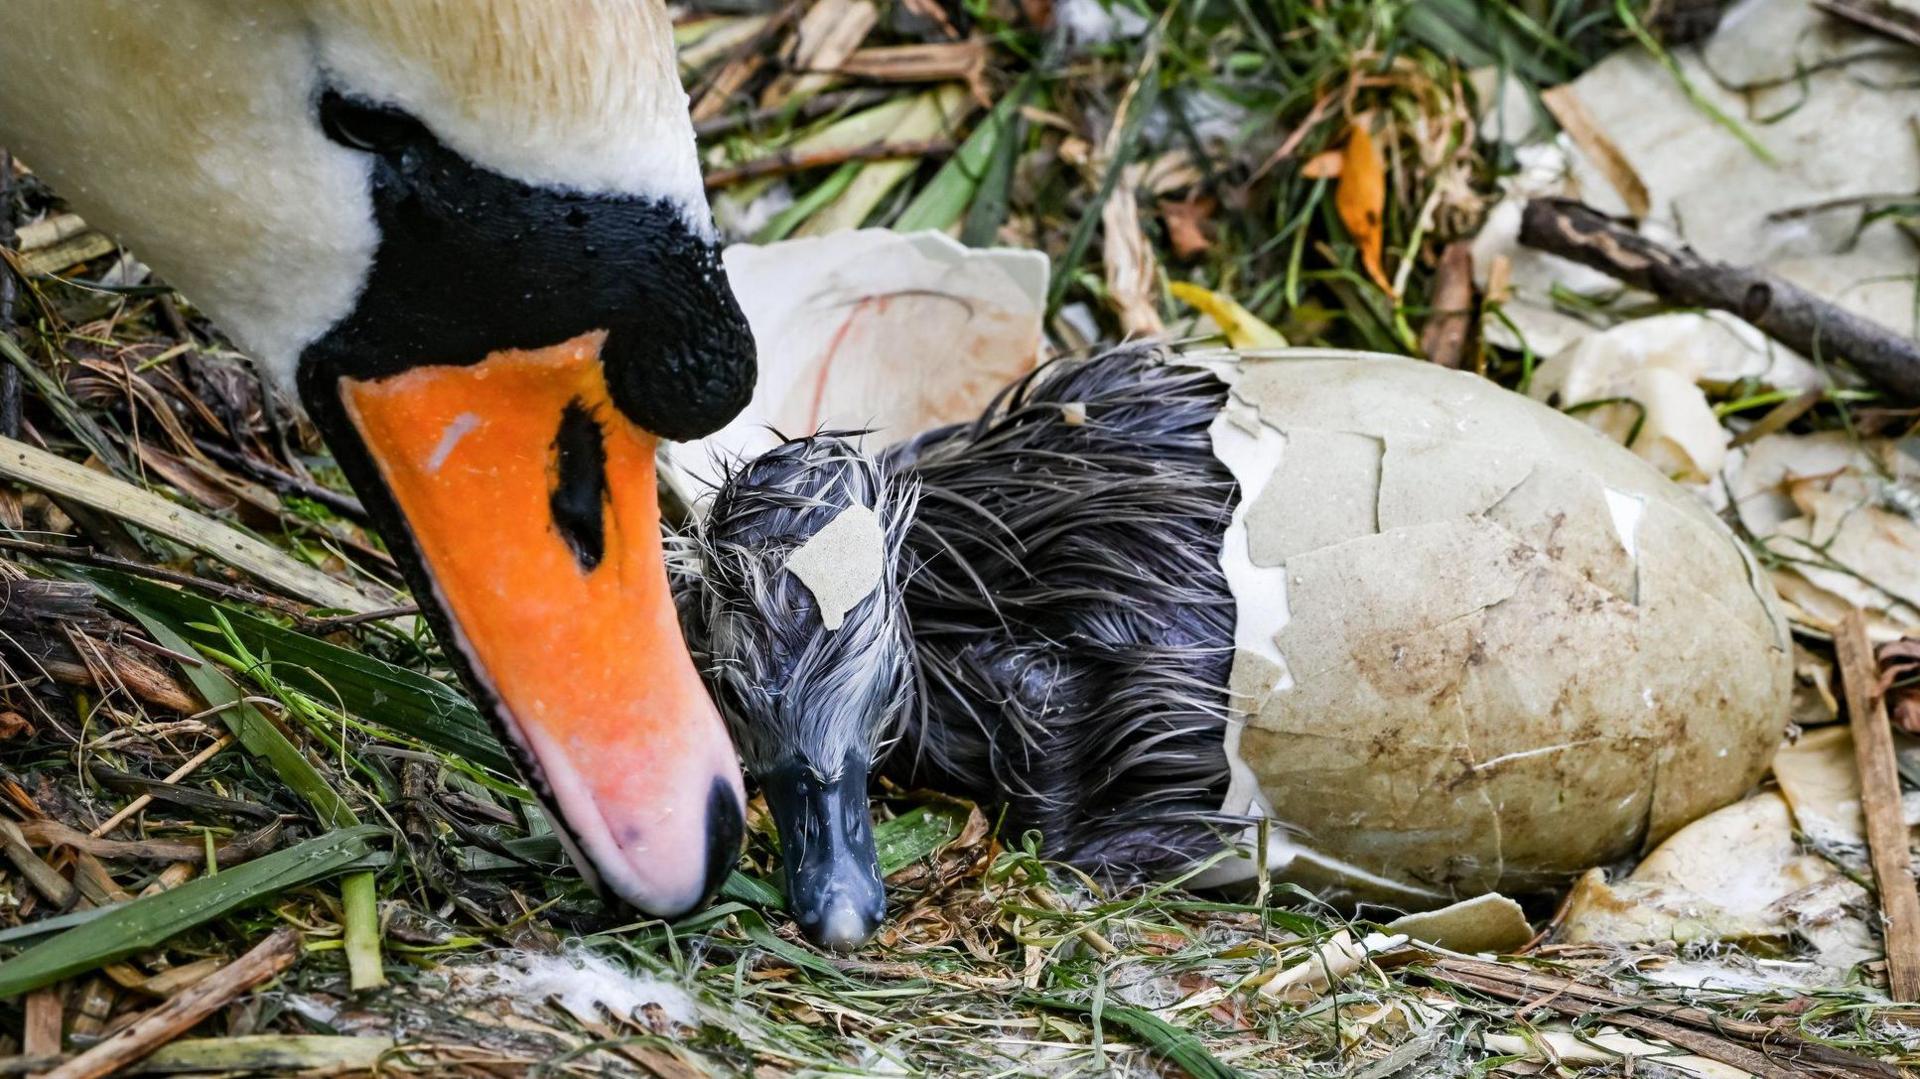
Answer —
(994, 198)
(1163, 1038)
(15, 934)
(1700, 101)
(1069, 262)
(379, 692)
(72, 416)
(1472, 32)
(947, 196)
(262, 738)
(826, 191)
(258, 734)
(761, 933)
(899, 842)
(150, 921)
(916, 834)
(748, 889)
(360, 916)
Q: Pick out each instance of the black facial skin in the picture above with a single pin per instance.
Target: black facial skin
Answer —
(826, 844)
(471, 262)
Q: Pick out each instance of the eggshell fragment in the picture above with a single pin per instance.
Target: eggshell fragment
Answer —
(1720, 878)
(1486, 923)
(1838, 513)
(872, 329)
(842, 563)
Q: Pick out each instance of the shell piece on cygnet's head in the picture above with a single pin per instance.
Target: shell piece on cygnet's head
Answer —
(797, 616)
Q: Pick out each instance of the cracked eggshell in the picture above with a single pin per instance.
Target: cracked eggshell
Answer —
(1481, 647)
(1640, 383)
(1728, 876)
(1837, 513)
(873, 330)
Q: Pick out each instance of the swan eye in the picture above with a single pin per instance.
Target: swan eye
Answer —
(374, 129)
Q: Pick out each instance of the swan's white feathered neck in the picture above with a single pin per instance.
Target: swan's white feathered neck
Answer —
(188, 129)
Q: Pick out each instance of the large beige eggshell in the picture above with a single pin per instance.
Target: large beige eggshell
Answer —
(1480, 646)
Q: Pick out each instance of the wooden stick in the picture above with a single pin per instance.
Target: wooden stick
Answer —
(87, 556)
(66, 479)
(934, 62)
(1444, 339)
(177, 775)
(717, 89)
(1880, 803)
(1878, 16)
(285, 482)
(178, 1015)
(787, 161)
(1756, 1047)
(811, 109)
(241, 848)
(46, 1015)
(1699, 1042)
(44, 878)
(1780, 309)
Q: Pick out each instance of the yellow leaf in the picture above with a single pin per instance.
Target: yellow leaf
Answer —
(1361, 199)
(1242, 327)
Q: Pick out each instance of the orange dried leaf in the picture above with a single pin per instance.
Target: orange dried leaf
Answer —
(1325, 165)
(1187, 222)
(1361, 199)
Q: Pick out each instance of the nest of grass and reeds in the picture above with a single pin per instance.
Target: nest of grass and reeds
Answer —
(254, 789)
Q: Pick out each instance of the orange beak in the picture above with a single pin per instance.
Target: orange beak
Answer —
(530, 503)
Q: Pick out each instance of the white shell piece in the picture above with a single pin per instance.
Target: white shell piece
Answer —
(841, 563)
(872, 330)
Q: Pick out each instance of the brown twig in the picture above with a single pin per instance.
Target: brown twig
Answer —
(811, 109)
(1763, 1050)
(176, 776)
(87, 556)
(716, 90)
(1782, 310)
(935, 62)
(320, 627)
(787, 161)
(1878, 16)
(243, 848)
(178, 1015)
(1880, 804)
(1322, 109)
(9, 375)
(285, 482)
(1444, 338)
(73, 658)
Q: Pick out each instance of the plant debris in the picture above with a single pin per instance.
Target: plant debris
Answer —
(239, 790)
